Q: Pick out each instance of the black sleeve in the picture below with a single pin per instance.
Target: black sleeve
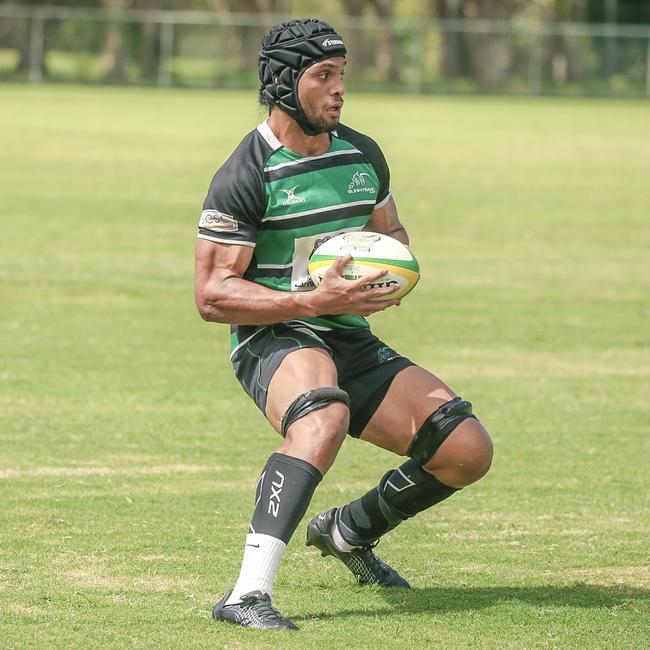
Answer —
(373, 153)
(236, 201)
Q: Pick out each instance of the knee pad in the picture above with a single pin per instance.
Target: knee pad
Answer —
(437, 427)
(310, 401)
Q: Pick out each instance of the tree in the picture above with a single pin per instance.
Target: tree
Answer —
(20, 37)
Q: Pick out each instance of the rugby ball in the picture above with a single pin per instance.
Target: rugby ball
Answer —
(370, 251)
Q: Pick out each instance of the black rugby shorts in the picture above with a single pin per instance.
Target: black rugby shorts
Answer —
(365, 365)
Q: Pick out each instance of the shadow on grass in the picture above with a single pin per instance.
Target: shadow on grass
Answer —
(447, 600)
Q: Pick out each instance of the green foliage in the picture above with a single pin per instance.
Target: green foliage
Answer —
(130, 454)
(8, 61)
(407, 46)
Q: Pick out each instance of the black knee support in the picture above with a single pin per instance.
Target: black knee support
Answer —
(310, 401)
(437, 427)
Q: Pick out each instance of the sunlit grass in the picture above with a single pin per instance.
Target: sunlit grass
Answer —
(129, 454)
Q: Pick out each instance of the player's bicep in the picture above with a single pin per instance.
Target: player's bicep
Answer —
(214, 264)
(385, 220)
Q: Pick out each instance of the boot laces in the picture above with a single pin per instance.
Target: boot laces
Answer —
(262, 606)
(374, 560)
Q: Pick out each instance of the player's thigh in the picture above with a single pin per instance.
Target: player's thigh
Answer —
(413, 396)
(300, 371)
(317, 436)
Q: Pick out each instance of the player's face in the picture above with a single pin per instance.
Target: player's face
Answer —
(320, 91)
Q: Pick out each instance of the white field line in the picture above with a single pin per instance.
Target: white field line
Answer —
(108, 471)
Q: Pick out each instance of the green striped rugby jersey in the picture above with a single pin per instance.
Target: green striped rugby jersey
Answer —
(285, 205)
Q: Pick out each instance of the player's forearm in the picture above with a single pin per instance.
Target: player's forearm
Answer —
(235, 300)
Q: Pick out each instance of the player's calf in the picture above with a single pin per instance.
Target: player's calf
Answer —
(401, 494)
(451, 444)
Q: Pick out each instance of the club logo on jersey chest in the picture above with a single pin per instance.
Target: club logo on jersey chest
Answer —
(358, 183)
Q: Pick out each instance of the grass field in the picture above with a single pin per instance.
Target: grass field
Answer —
(129, 454)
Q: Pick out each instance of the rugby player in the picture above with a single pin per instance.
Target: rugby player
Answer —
(306, 354)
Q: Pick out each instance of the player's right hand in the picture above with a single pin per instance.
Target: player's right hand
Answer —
(335, 295)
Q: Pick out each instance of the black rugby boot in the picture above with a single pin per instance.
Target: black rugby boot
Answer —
(254, 610)
(366, 567)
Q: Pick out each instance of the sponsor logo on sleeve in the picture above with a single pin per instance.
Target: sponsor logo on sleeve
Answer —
(218, 221)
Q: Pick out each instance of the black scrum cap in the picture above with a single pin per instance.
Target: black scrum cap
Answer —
(288, 50)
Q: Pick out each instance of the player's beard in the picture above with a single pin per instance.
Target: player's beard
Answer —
(319, 123)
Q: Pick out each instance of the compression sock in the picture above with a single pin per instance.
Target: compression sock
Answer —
(283, 493)
(401, 494)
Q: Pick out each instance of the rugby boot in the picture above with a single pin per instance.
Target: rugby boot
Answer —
(366, 567)
(254, 610)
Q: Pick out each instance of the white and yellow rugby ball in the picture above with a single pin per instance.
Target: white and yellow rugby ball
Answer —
(370, 251)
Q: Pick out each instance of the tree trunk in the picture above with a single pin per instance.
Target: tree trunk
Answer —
(112, 64)
(451, 43)
(21, 38)
(246, 39)
(387, 54)
(359, 57)
(148, 41)
(490, 54)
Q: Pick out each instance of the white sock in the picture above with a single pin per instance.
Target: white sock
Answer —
(339, 542)
(262, 555)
